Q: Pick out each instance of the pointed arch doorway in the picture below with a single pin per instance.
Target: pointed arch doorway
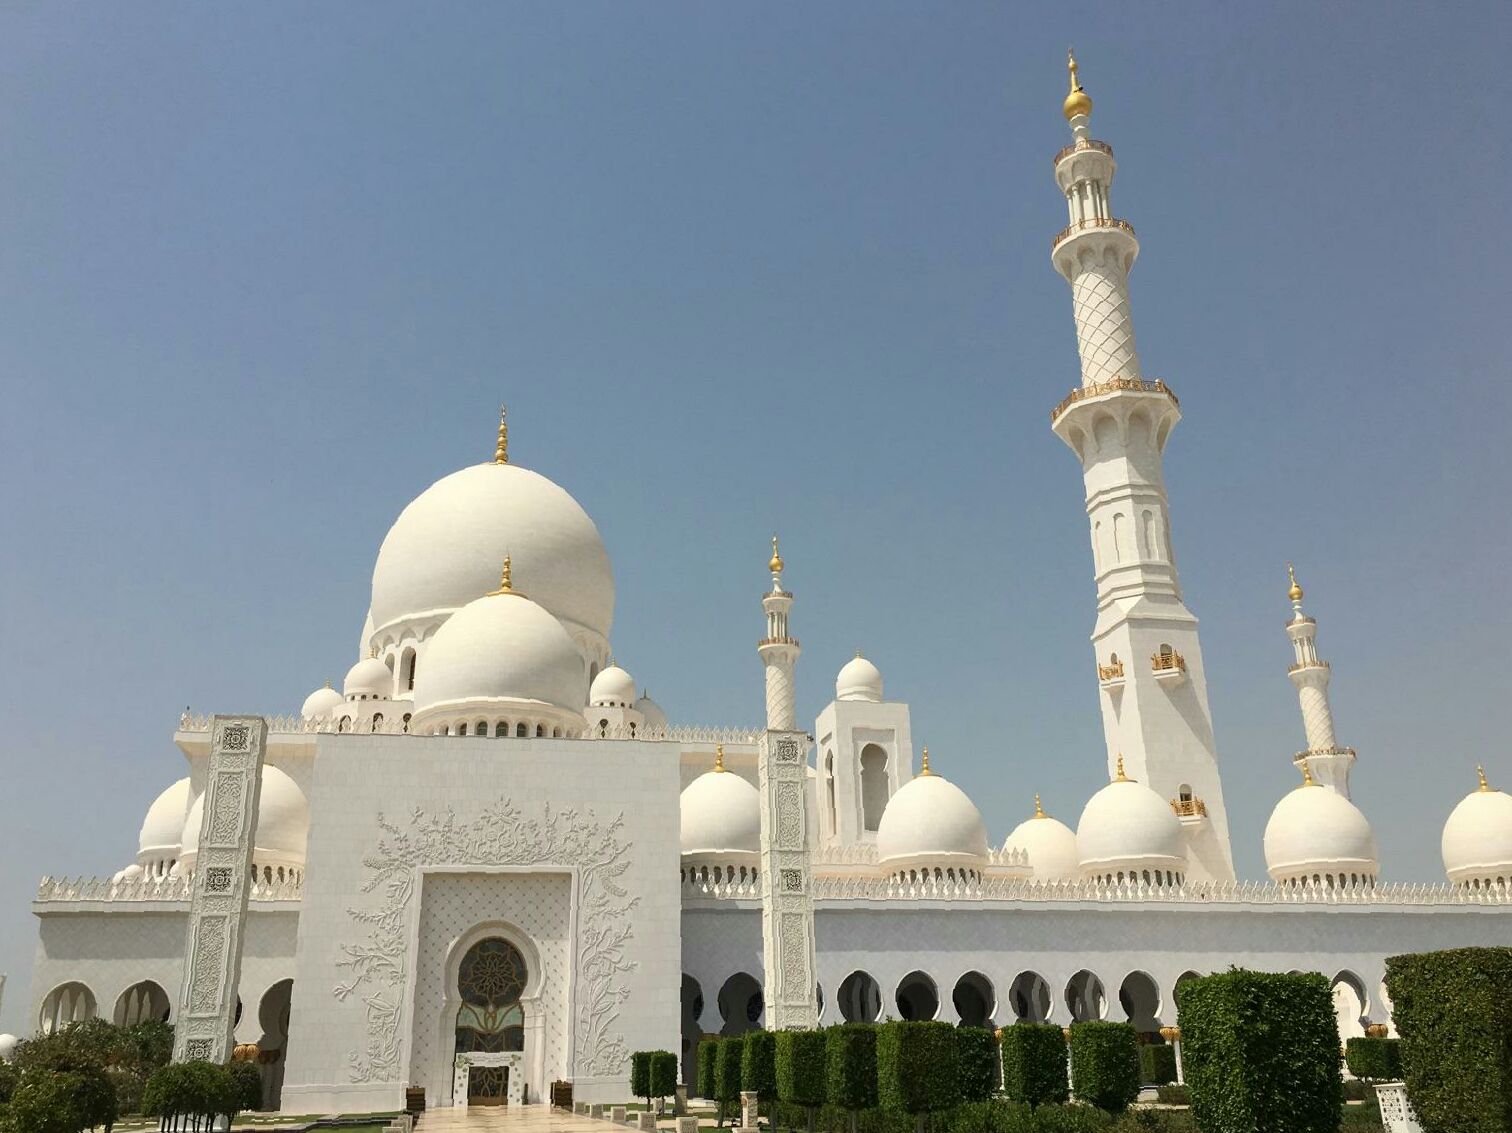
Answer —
(490, 1009)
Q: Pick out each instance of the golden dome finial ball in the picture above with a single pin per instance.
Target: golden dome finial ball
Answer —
(1078, 101)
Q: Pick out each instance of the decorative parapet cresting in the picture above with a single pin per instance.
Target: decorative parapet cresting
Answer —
(51, 890)
(1113, 385)
(191, 723)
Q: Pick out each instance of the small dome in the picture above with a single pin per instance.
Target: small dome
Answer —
(445, 548)
(283, 823)
(1477, 839)
(612, 688)
(501, 647)
(651, 712)
(8, 1044)
(1127, 828)
(859, 680)
(1050, 845)
(369, 677)
(1315, 831)
(720, 817)
(321, 703)
(931, 822)
(159, 836)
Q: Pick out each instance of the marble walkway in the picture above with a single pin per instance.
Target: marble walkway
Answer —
(512, 1119)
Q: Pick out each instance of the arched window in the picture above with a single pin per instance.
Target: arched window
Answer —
(406, 723)
(490, 981)
(377, 721)
(501, 729)
(873, 785)
(1120, 537)
(407, 669)
(521, 731)
(829, 788)
(860, 998)
(461, 729)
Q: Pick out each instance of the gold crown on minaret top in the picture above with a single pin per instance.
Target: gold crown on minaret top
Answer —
(1295, 593)
(501, 449)
(775, 563)
(1078, 101)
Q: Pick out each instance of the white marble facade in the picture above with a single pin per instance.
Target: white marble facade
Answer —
(489, 792)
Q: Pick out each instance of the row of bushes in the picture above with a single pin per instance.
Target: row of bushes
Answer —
(995, 1116)
(653, 1074)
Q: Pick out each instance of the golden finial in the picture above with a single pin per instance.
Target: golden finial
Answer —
(1120, 777)
(372, 653)
(1078, 101)
(1481, 772)
(719, 757)
(1039, 811)
(501, 450)
(328, 684)
(775, 565)
(1307, 779)
(1295, 593)
(506, 579)
(924, 770)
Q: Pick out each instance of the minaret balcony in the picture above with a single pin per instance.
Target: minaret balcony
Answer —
(1313, 664)
(1111, 676)
(765, 641)
(1168, 666)
(1116, 385)
(1080, 145)
(1091, 223)
(1190, 811)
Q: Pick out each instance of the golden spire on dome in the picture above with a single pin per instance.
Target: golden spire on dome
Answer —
(1307, 779)
(506, 581)
(501, 450)
(775, 563)
(1078, 101)
(372, 653)
(1295, 593)
(924, 770)
(1039, 811)
(1120, 777)
(719, 757)
(1480, 771)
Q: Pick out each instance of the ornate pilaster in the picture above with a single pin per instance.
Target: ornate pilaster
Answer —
(787, 904)
(218, 896)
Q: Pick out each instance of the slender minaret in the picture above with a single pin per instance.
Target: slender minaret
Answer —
(779, 652)
(782, 765)
(1149, 662)
(1329, 762)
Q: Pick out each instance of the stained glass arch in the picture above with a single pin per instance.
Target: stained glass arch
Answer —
(490, 980)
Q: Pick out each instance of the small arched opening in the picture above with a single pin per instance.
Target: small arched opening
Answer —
(1140, 999)
(974, 1000)
(140, 1003)
(860, 999)
(873, 785)
(67, 1003)
(692, 1011)
(740, 1004)
(917, 997)
(1085, 998)
(1349, 1005)
(1029, 997)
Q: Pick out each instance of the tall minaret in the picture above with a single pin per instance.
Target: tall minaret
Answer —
(1329, 762)
(1149, 662)
(782, 765)
(779, 652)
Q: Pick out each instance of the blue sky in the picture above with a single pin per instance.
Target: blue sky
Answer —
(266, 273)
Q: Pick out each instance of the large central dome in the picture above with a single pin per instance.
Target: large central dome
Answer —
(445, 548)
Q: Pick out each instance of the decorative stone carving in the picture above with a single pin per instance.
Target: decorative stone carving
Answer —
(1396, 1112)
(220, 889)
(787, 911)
(500, 835)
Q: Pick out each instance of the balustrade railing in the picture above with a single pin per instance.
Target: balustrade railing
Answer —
(1300, 665)
(1112, 672)
(1089, 223)
(1171, 662)
(139, 889)
(1189, 808)
(1112, 385)
(294, 725)
(1083, 144)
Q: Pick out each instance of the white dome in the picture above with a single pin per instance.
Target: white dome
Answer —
(1127, 828)
(445, 549)
(283, 822)
(1317, 831)
(930, 821)
(322, 702)
(1477, 840)
(720, 817)
(369, 677)
(612, 688)
(1050, 845)
(8, 1044)
(501, 647)
(651, 712)
(159, 836)
(859, 679)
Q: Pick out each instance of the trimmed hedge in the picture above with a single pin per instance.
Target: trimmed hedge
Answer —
(758, 1064)
(1375, 1060)
(727, 1072)
(663, 1073)
(850, 1081)
(1173, 1095)
(1261, 1052)
(1105, 1064)
(1454, 1017)
(640, 1075)
(708, 1055)
(191, 1089)
(247, 1082)
(976, 1064)
(1157, 1065)
(1034, 1063)
(801, 1067)
(916, 1066)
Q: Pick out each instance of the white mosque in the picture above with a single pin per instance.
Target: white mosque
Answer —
(489, 862)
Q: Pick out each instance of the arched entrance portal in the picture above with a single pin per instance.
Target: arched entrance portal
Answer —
(490, 1022)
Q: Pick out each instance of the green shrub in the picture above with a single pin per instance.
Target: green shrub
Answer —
(1069, 1119)
(191, 1089)
(916, 1067)
(10, 1078)
(1356, 1090)
(850, 1076)
(1157, 1065)
(758, 1065)
(1261, 1052)
(976, 1064)
(663, 1073)
(1105, 1064)
(1454, 1017)
(708, 1055)
(61, 1100)
(1034, 1063)
(1375, 1060)
(1173, 1095)
(727, 1073)
(800, 1071)
(247, 1082)
(640, 1075)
